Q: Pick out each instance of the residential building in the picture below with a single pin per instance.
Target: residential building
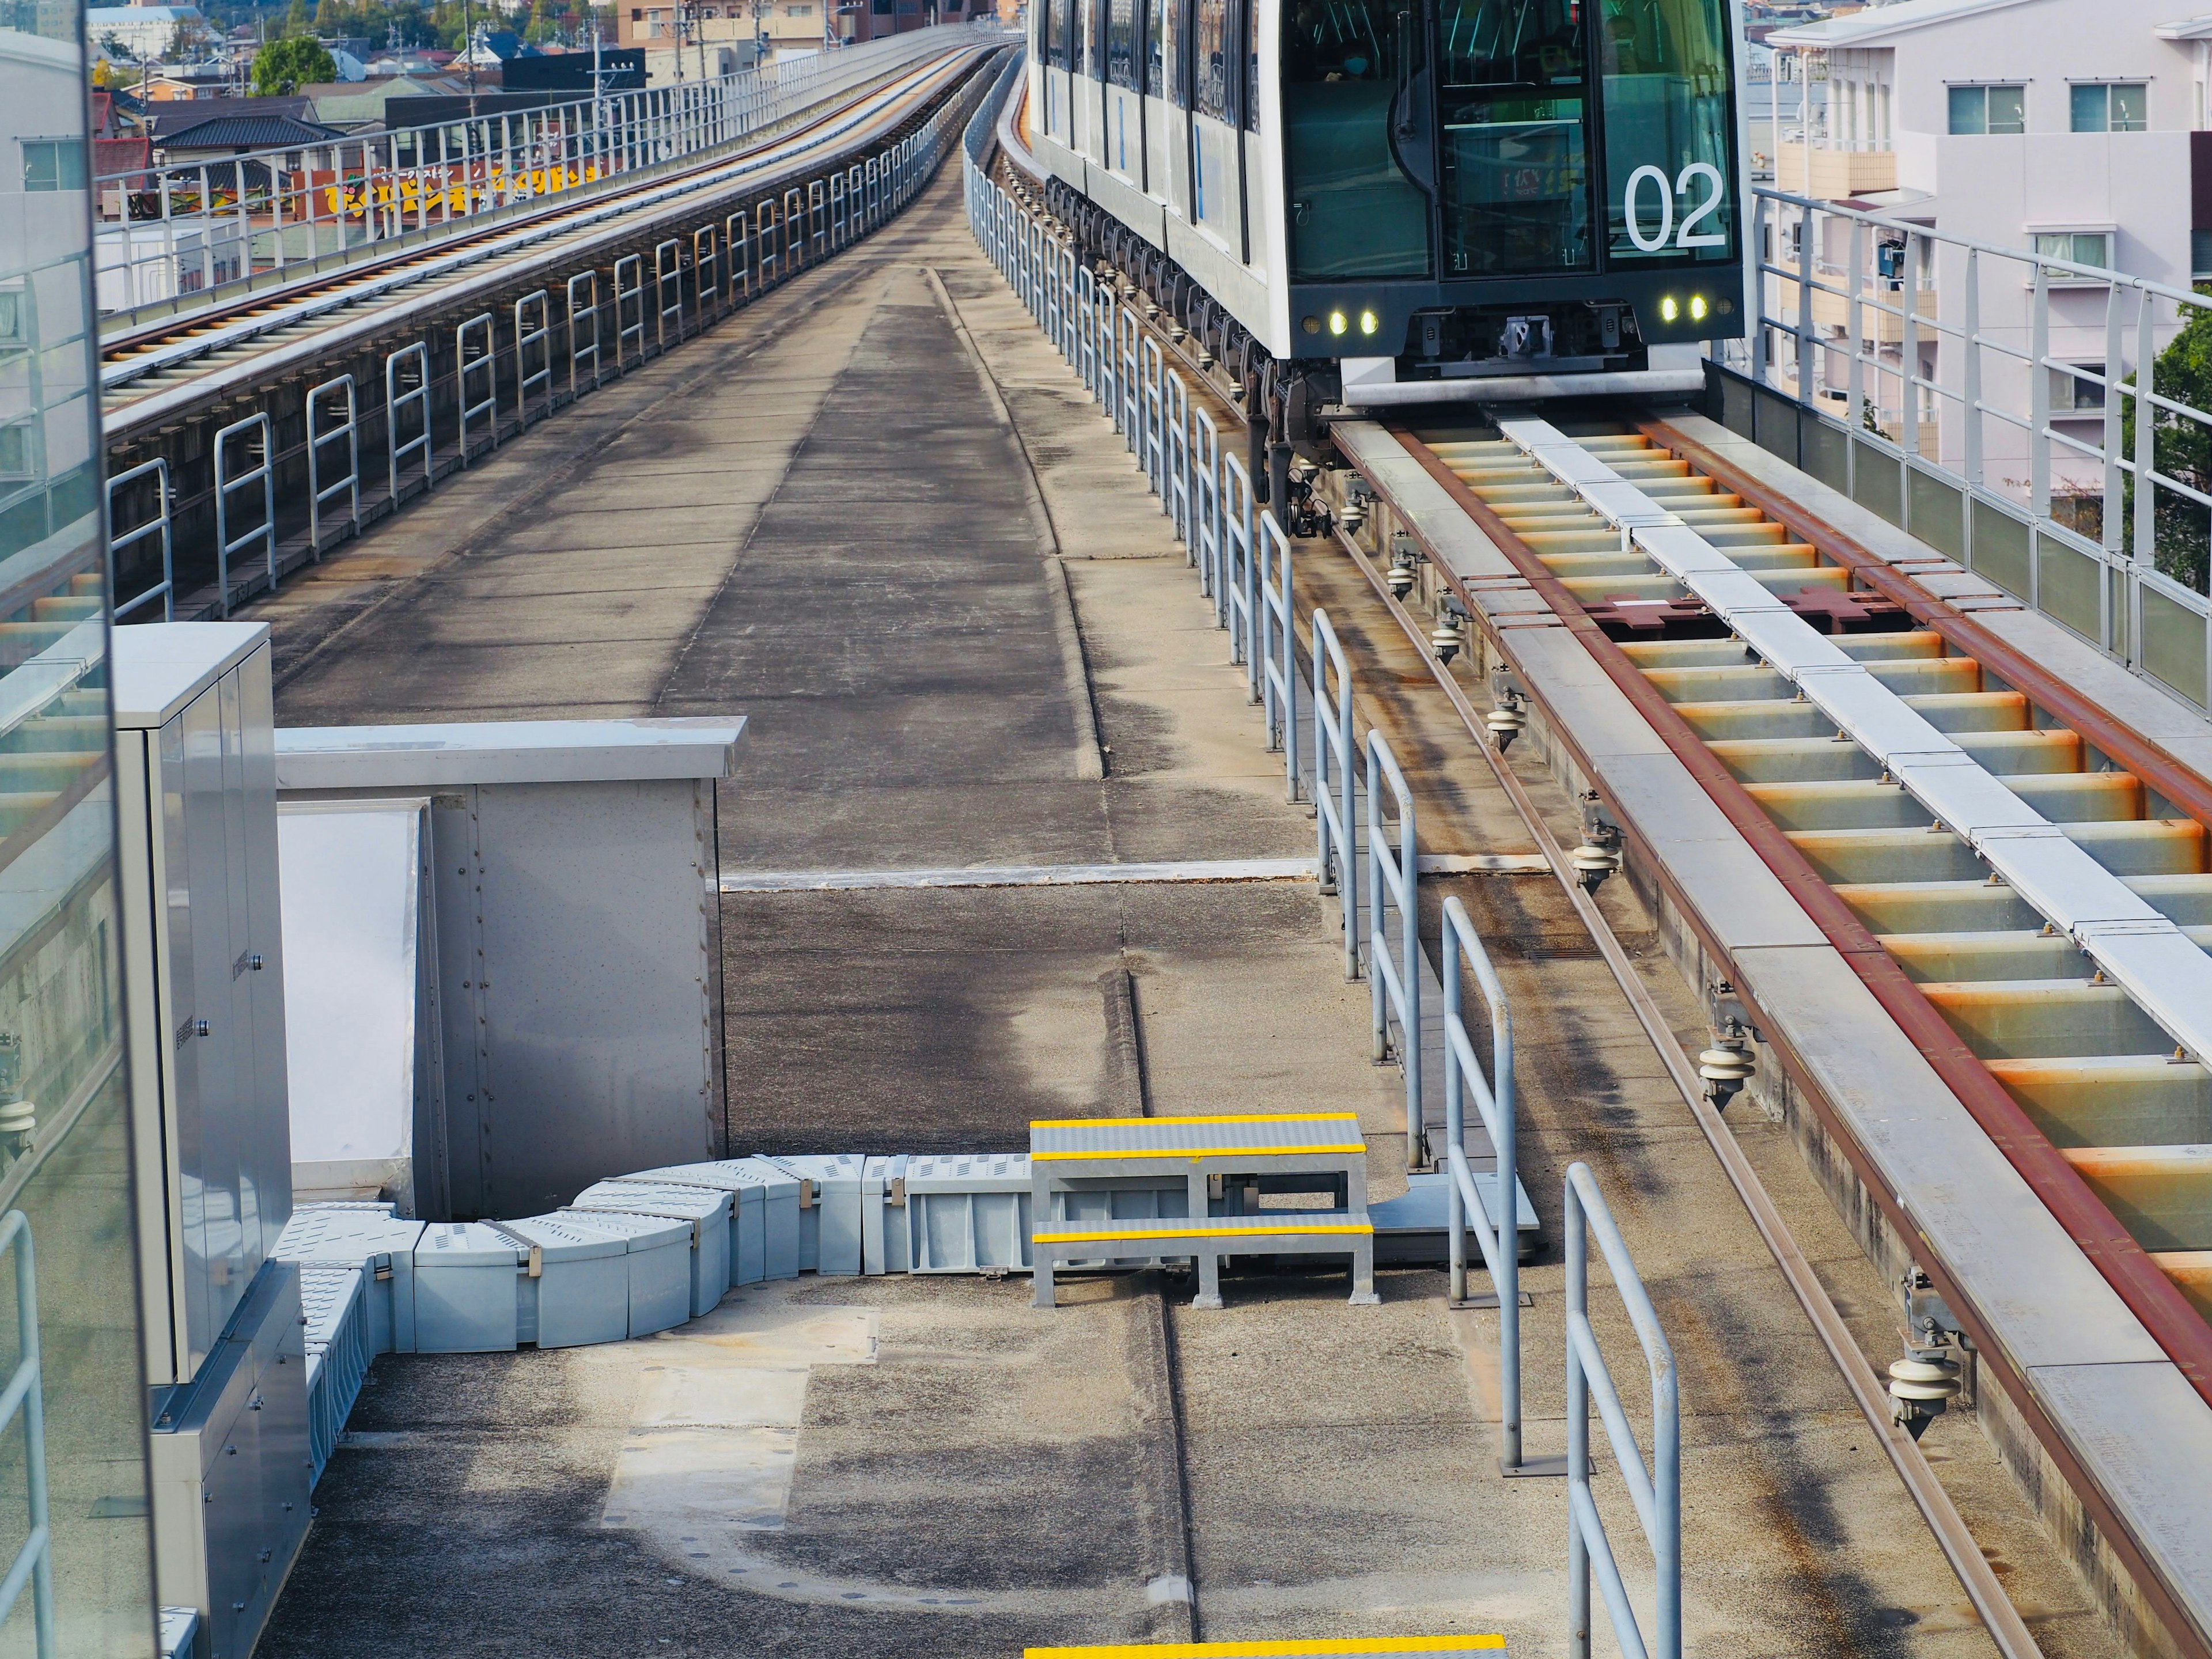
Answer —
(146, 33)
(2063, 127)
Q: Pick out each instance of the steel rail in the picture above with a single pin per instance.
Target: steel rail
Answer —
(352, 289)
(1952, 1537)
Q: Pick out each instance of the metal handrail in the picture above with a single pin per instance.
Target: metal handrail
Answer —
(1498, 1226)
(1152, 447)
(158, 468)
(26, 1395)
(485, 363)
(262, 473)
(1336, 856)
(1175, 501)
(1205, 470)
(1657, 1491)
(1278, 670)
(1396, 980)
(348, 429)
(192, 232)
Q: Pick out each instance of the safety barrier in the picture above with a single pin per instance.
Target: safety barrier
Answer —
(510, 369)
(253, 433)
(1657, 1491)
(173, 237)
(117, 540)
(1393, 874)
(1276, 644)
(1496, 1229)
(25, 1397)
(2022, 418)
(1336, 860)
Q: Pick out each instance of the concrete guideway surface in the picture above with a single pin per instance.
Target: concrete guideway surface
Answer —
(817, 516)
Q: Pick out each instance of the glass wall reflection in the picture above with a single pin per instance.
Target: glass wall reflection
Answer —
(64, 1141)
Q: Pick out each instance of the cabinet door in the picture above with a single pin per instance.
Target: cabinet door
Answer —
(272, 1115)
(181, 1114)
(235, 898)
(222, 1137)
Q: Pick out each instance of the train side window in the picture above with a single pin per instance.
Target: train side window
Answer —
(1670, 169)
(1210, 59)
(1122, 43)
(1514, 99)
(1353, 211)
(1250, 26)
(1060, 53)
(1156, 26)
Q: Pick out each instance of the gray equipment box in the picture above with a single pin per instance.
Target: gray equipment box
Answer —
(764, 1214)
(830, 1210)
(465, 1300)
(708, 1211)
(232, 1467)
(579, 940)
(657, 1261)
(367, 1237)
(964, 1214)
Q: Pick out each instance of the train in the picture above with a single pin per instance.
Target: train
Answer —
(1369, 202)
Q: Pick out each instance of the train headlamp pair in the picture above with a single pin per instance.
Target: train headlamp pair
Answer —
(1340, 323)
(1670, 308)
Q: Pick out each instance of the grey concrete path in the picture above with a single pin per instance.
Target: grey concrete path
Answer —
(875, 515)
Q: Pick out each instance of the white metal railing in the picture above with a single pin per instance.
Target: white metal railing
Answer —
(1655, 1493)
(174, 235)
(1278, 676)
(1497, 1225)
(1393, 878)
(2004, 404)
(320, 493)
(117, 540)
(253, 434)
(25, 1398)
(1336, 857)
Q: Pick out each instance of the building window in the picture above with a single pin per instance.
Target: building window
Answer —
(2114, 106)
(2200, 255)
(2083, 247)
(1976, 110)
(53, 164)
(2070, 394)
(18, 465)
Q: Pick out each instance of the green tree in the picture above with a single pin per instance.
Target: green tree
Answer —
(544, 24)
(297, 21)
(284, 66)
(2182, 372)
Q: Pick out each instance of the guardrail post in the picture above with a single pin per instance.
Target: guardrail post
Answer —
(158, 470)
(588, 282)
(1497, 1228)
(1657, 1492)
(254, 427)
(1336, 857)
(1970, 367)
(1805, 336)
(1277, 672)
(417, 357)
(1908, 347)
(317, 492)
(486, 362)
(1396, 983)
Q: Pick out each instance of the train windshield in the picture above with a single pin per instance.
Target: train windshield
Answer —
(1349, 67)
(1668, 174)
(1512, 95)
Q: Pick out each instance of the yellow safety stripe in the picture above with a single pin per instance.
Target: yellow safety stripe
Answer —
(1198, 1152)
(1259, 1649)
(1245, 1117)
(1108, 1235)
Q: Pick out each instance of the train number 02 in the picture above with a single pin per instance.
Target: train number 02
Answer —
(1703, 210)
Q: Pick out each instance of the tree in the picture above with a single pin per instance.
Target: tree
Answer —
(2183, 372)
(543, 24)
(295, 20)
(284, 66)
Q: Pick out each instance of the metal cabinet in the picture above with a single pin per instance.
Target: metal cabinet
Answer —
(211, 1128)
(195, 789)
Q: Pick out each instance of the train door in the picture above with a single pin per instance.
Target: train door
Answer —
(1090, 77)
(1059, 93)
(1171, 133)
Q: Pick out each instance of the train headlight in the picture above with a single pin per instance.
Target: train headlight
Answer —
(1312, 325)
(1337, 322)
(1668, 309)
(1369, 322)
(1698, 308)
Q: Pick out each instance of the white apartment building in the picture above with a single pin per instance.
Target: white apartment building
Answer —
(2072, 128)
(148, 33)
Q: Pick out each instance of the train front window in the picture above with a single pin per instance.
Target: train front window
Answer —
(1670, 190)
(1513, 93)
(1354, 212)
